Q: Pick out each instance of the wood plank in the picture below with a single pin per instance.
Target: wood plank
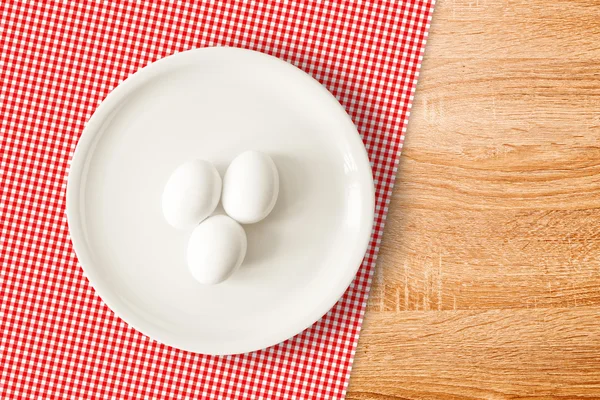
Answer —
(558, 29)
(456, 259)
(478, 354)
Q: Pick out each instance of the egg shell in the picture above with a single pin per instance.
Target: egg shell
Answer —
(191, 194)
(250, 187)
(216, 249)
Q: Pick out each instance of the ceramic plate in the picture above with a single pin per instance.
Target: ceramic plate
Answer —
(213, 104)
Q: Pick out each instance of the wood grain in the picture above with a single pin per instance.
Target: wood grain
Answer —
(479, 354)
(488, 279)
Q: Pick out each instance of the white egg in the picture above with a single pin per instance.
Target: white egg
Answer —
(216, 249)
(191, 194)
(250, 187)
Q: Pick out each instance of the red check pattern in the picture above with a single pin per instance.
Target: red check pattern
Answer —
(58, 61)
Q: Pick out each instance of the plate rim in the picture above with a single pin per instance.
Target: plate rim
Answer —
(77, 173)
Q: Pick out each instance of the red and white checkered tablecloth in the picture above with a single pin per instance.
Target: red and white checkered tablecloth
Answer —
(58, 60)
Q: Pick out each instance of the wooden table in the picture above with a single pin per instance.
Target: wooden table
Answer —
(488, 280)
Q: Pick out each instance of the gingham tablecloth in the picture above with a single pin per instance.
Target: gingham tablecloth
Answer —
(58, 61)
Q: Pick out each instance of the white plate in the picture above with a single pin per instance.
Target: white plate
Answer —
(213, 104)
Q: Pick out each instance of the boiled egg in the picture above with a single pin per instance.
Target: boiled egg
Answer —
(191, 194)
(250, 187)
(216, 249)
